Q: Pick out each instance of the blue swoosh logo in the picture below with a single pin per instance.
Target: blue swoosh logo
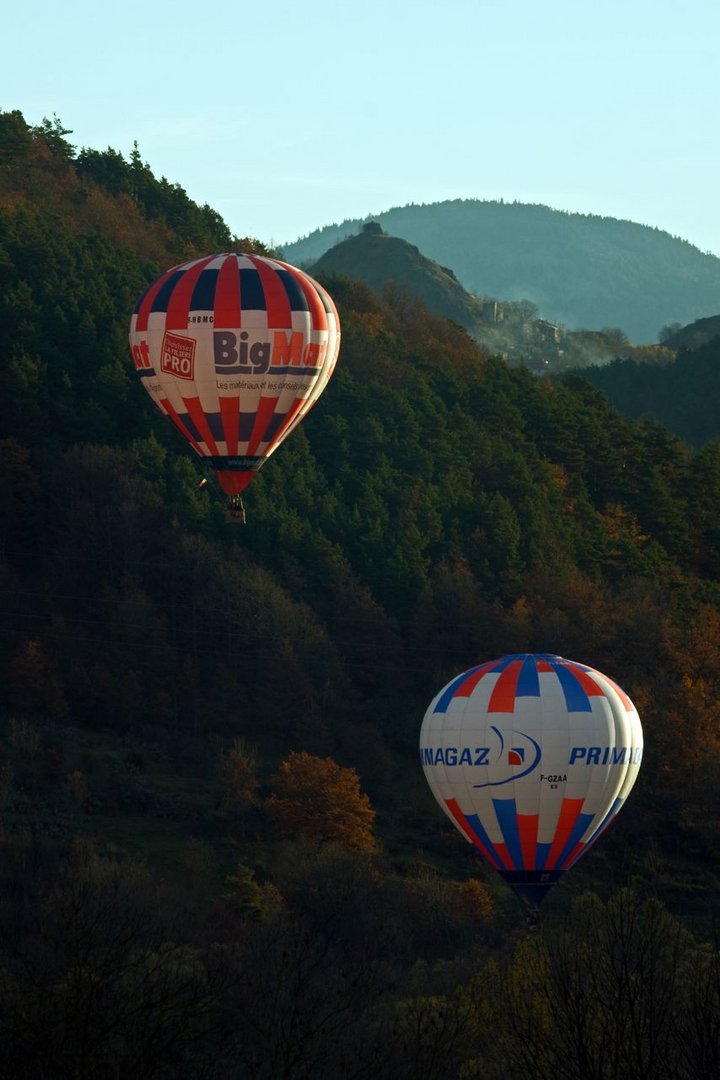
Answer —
(515, 776)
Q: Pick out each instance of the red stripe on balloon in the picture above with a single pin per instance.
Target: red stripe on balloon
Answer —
(629, 707)
(502, 698)
(178, 307)
(604, 824)
(264, 414)
(233, 482)
(505, 857)
(227, 313)
(277, 304)
(291, 414)
(574, 854)
(199, 419)
(466, 688)
(315, 304)
(528, 832)
(230, 417)
(143, 314)
(472, 836)
(586, 680)
(170, 411)
(569, 814)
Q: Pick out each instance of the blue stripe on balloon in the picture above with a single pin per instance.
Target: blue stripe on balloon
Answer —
(479, 829)
(449, 692)
(578, 829)
(252, 294)
(203, 296)
(214, 421)
(506, 812)
(294, 370)
(245, 426)
(247, 423)
(528, 684)
(603, 825)
(160, 303)
(190, 425)
(297, 298)
(607, 820)
(576, 699)
(456, 685)
(541, 855)
(274, 423)
(141, 298)
(503, 662)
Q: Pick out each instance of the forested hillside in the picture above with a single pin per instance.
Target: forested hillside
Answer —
(682, 395)
(218, 853)
(580, 270)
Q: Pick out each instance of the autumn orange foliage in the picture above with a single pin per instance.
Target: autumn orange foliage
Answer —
(316, 797)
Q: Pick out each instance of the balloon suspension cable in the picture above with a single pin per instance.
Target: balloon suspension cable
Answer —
(532, 916)
(530, 907)
(235, 511)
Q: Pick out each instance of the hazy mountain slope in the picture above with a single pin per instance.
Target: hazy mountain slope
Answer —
(581, 270)
(507, 328)
(375, 258)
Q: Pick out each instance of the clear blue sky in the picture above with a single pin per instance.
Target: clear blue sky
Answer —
(287, 116)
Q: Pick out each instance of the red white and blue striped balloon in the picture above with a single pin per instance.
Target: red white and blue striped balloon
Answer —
(531, 756)
(235, 349)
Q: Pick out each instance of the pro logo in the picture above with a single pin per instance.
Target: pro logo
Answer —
(177, 356)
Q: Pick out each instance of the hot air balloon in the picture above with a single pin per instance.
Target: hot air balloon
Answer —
(531, 756)
(235, 349)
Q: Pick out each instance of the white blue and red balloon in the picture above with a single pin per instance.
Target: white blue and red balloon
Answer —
(531, 756)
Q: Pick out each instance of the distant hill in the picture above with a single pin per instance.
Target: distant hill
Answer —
(699, 333)
(581, 270)
(376, 258)
(510, 328)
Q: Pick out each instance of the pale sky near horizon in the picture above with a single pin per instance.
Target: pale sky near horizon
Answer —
(285, 117)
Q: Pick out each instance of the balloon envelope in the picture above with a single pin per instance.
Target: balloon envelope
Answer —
(235, 349)
(531, 756)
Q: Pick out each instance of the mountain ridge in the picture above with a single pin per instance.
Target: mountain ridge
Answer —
(377, 259)
(513, 329)
(582, 270)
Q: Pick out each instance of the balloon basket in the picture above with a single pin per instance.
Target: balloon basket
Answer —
(532, 915)
(235, 511)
